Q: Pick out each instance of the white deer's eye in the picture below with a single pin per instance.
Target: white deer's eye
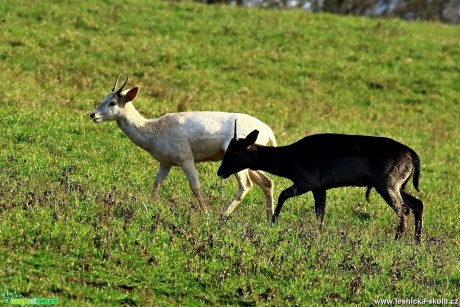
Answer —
(112, 103)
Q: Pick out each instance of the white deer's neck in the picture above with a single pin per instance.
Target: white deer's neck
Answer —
(136, 127)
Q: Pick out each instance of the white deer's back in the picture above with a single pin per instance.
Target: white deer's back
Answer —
(202, 135)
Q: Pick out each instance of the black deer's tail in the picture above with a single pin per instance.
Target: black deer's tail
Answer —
(416, 165)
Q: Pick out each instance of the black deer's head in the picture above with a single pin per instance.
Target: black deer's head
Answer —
(237, 157)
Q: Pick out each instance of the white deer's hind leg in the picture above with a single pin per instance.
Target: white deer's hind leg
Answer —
(192, 176)
(244, 185)
(162, 172)
(266, 184)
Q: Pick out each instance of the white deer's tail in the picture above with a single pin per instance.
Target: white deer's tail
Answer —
(271, 137)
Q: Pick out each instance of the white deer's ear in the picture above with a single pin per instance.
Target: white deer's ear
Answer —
(130, 95)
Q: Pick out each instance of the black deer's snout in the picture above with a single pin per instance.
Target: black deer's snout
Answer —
(222, 174)
(92, 114)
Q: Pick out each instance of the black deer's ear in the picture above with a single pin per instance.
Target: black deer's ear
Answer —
(251, 138)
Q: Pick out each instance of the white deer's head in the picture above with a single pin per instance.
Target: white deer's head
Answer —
(113, 106)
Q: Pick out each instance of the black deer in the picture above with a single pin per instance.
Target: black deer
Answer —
(324, 161)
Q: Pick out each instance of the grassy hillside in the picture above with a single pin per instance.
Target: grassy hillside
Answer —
(76, 219)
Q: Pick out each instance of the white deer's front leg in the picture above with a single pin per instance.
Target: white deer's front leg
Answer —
(192, 176)
(162, 172)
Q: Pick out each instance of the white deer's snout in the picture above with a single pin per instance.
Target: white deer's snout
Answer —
(93, 115)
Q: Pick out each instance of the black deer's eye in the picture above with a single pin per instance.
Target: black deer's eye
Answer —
(112, 103)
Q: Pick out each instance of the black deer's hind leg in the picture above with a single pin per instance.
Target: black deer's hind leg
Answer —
(320, 204)
(416, 205)
(393, 198)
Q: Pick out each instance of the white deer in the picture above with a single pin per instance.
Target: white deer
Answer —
(185, 138)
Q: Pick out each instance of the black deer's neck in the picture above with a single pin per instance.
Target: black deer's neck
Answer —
(270, 159)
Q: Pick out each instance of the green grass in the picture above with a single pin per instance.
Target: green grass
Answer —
(76, 218)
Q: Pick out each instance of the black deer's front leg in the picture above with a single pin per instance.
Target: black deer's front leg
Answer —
(294, 190)
(320, 204)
